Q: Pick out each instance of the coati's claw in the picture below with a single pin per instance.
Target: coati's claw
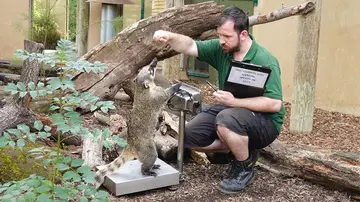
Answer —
(156, 166)
(149, 173)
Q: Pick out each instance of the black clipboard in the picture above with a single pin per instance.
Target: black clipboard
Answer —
(245, 80)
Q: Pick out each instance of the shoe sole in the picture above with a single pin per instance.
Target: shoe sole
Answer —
(235, 192)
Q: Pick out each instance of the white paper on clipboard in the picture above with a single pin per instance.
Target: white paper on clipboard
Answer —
(247, 77)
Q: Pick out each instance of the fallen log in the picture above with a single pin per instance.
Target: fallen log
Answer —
(134, 47)
(334, 169)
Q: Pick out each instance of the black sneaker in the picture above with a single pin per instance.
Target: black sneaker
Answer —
(241, 174)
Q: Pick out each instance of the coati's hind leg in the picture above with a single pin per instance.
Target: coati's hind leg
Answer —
(156, 166)
(147, 156)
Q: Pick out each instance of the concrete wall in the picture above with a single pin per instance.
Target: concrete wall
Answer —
(131, 13)
(338, 86)
(14, 25)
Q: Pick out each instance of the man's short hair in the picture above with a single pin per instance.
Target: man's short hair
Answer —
(238, 16)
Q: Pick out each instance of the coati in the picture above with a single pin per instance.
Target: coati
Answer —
(149, 100)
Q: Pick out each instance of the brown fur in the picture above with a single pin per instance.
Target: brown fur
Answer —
(149, 100)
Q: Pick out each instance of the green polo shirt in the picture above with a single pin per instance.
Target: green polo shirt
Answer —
(211, 52)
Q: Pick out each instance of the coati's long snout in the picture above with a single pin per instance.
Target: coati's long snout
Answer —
(152, 67)
(147, 74)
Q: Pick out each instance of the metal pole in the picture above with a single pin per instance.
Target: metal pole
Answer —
(142, 9)
(180, 154)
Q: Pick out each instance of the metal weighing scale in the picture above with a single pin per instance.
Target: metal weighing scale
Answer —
(128, 179)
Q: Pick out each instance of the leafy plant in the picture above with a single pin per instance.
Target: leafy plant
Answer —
(45, 28)
(71, 179)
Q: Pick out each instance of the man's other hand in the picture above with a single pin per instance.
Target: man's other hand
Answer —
(162, 36)
(224, 97)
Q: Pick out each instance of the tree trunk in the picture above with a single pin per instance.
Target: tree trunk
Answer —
(16, 112)
(134, 47)
(82, 26)
(302, 106)
(334, 169)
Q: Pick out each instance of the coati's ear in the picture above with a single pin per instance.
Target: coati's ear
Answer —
(146, 84)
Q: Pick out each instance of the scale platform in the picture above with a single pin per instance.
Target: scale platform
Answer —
(128, 179)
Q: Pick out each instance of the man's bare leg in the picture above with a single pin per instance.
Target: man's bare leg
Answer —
(216, 146)
(238, 144)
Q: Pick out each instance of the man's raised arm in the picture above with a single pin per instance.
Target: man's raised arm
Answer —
(178, 42)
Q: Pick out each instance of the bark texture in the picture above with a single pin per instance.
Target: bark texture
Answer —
(15, 112)
(302, 105)
(335, 169)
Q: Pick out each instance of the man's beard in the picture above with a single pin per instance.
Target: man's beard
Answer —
(235, 48)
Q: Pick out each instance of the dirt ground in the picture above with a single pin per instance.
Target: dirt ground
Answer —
(331, 130)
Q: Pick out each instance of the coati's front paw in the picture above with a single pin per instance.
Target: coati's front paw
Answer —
(156, 166)
(149, 173)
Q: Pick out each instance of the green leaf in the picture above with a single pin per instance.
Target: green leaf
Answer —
(93, 107)
(90, 180)
(69, 109)
(42, 189)
(67, 83)
(33, 183)
(22, 94)
(106, 133)
(47, 128)
(24, 128)
(81, 187)
(32, 137)
(44, 198)
(33, 94)
(104, 109)
(84, 169)
(119, 141)
(38, 125)
(67, 159)
(20, 199)
(83, 199)
(101, 195)
(53, 107)
(57, 119)
(77, 163)
(107, 144)
(61, 192)
(12, 144)
(55, 83)
(31, 85)
(40, 85)
(10, 87)
(44, 134)
(46, 162)
(3, 142)
(21, 86)
(96, 132)
(62, 167)
(15, 132)
(21, 143)
(30, 196)
(69, 175)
